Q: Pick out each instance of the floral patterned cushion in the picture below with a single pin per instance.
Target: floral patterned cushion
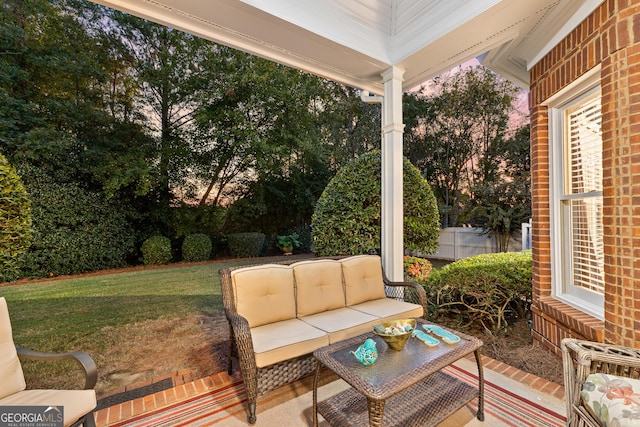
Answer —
(613, 401)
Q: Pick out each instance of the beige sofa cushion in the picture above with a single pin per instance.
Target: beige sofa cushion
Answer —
(389, 309)
(76, 403)
(342, 323)
(318, 286)
(284, 340)
(362, 278)
(264, 294)
(11, 377)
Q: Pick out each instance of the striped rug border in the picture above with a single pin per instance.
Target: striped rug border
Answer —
(230, 400)
(519, 414)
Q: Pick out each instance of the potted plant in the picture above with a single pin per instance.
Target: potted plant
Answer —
(287, 242)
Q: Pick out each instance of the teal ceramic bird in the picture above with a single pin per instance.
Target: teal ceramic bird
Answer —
(367, 353)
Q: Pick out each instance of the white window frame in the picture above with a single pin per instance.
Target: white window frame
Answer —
(590, 302)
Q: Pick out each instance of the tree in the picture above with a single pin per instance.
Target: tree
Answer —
(266, 142)
(169, 66)
(503, 205)
(56, 69)
(347, 218)
(456, 129)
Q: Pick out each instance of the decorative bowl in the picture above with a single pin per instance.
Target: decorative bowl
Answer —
(395, 332)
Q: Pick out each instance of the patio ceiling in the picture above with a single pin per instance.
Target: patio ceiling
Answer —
(354, 41)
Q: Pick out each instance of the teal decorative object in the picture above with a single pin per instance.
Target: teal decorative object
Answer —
(426, 339)
(367, 353)
(445, 335)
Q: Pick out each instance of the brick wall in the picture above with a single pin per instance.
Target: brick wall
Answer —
(610, 37)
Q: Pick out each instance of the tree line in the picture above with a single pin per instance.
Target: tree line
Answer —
(122, 129)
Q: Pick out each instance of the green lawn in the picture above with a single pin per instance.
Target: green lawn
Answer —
(94, 313)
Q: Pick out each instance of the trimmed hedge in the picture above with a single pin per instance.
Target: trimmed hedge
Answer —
(75, 230)
(196, 247)
(15, 217)
(488, 289)
(156, 250)
(246, 245)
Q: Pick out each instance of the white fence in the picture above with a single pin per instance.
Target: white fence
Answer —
(462, 242)
(526, 235)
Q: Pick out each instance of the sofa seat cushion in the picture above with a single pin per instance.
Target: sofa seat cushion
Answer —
(318, 286)
(264, 294)
(275, 342)
(363, 279)
(342, 323)
(76, 403)
(612, 400)
(389, 309)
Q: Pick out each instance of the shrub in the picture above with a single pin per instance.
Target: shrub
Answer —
(417, 269)
(219, 245)
(347, 217)
(246, 245)
(75, 230)
(156, 250)
(15, 217)
(196, 247)
(486, 289)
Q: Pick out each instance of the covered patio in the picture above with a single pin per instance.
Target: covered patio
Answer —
(388, 47)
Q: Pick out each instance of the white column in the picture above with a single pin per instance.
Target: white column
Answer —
(392, 210)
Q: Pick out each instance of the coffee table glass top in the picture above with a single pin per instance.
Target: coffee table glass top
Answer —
(393, 370)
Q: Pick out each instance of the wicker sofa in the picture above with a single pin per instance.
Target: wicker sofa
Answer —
(280, 313)
(601, 383)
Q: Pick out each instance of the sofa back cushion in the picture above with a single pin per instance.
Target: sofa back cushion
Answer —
(11, 377)
(264, 294)
(362, 278)
(318, 286)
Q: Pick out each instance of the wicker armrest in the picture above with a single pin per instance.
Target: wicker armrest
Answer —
(240, 328)
(82, 358)
(242, 339)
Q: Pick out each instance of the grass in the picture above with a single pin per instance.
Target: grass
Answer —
(136, 324)
(105, 314)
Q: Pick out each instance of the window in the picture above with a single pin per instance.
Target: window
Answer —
(576, 195)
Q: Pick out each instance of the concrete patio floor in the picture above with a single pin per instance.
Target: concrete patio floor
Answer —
(548, 394)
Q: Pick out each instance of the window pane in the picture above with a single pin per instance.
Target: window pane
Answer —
(587, 245)
(583, 172)
(584, 150)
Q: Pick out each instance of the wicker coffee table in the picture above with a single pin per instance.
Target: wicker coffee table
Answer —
(402, 388)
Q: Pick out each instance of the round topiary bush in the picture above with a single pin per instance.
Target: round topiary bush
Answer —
(246, 245)
(15, 217)
(196, 247)
(156, 250)
(347, 217)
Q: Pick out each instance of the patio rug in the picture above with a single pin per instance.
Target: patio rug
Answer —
(291, 405)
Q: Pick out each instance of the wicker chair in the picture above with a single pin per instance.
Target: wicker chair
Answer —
(78, 404)
(582, 358)
(258, 381)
